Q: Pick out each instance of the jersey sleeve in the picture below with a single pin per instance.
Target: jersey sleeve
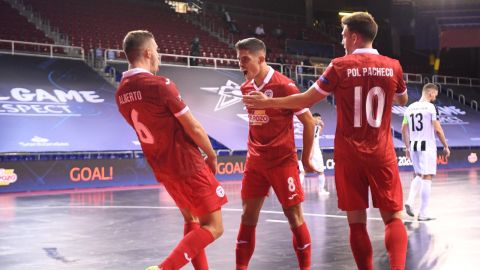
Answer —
(173, 100)
(326, 84)
(434, 112)
(401, 87)
(291, 89)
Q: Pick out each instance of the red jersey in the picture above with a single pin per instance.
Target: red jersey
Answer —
(270, 135)
(364, 84)
(151, 105)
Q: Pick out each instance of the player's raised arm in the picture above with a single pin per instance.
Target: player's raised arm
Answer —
(198, 134)
(258, 100)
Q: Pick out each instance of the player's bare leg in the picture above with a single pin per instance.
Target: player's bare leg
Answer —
(396, 240)
(246, 234)
(359, 239)
(302, 243)
(211, 227)
(425, 198)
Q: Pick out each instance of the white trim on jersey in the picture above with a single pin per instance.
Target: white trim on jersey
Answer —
(366, 50)
(267, 79)
(320, 90)
(402, 93)
(302, 111)
(134, 71)
(182, 112)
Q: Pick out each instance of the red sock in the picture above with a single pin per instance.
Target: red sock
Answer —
(188, 248)
(200, 261)
(302, 244)
(361, 246)
(245, 245)
(396, 242)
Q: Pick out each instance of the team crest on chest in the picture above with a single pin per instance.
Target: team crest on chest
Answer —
(269, 93)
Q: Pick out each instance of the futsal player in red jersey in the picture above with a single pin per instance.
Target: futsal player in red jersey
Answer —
(272, 157)
(170, 137)
(365, 85)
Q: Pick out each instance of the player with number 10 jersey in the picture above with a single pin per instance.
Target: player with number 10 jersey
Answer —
(364, 84)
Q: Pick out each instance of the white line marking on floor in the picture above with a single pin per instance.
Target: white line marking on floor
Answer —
(276, 221)
(163, 207)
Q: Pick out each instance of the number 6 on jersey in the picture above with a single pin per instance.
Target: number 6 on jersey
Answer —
(143, 132)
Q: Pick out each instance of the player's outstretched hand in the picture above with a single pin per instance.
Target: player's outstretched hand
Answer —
(308, 167)
(212, 163)
(255, 100)
(446, 151)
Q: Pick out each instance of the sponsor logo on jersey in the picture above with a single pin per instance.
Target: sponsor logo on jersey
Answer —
(259, 117)
(38, 141)
(7, 177)
(187, 257)
(269, 93)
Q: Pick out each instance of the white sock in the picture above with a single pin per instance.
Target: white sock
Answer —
(415, 186)
(321, 182)
(425, 196)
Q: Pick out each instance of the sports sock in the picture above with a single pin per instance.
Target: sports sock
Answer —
(425, 197)
(200, 261)
(194, 242)
(321, 182)
(302, 244)
(415, 186)
(396, 242)
(361, 246)
(245, 245)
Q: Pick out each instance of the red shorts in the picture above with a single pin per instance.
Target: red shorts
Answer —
(284, 180)
(200, 193)
(353, 180)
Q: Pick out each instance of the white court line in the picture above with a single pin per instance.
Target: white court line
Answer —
(163, 207)
(276, 221)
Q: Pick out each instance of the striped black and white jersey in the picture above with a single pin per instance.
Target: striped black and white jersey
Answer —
(420, 116)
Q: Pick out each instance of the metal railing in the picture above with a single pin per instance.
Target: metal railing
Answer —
(412, 78)
(41, 49)
(117, 56)
(456, 80)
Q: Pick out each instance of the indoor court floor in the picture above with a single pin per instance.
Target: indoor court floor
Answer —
(132, 228)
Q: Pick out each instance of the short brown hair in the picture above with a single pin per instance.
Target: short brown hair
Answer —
(251, 44)
(135, 40)
(361, 23)
(429, 86)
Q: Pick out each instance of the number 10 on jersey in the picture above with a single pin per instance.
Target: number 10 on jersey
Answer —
(357, 106)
